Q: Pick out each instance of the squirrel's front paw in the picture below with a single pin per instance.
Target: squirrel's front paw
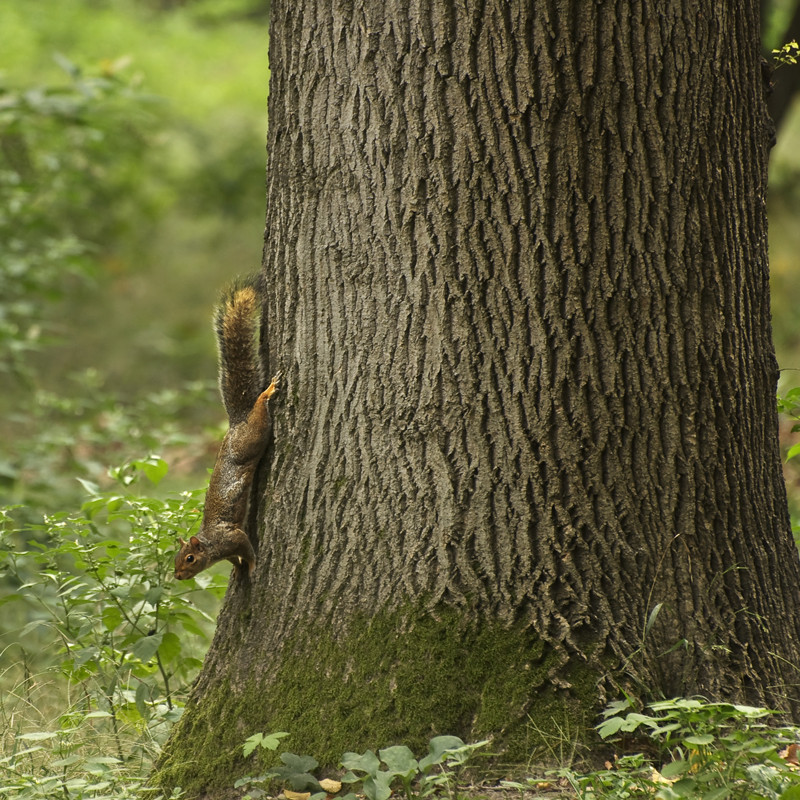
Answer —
(273, 386)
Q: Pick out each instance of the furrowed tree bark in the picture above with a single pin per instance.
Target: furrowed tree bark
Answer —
(526, 454)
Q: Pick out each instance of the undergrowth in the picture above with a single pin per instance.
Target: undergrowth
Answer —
(107, 642)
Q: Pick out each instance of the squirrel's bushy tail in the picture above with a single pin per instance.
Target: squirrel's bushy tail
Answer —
(241, 375)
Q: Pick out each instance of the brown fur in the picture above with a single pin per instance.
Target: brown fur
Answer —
(222, 535)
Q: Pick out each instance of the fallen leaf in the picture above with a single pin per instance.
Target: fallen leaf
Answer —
(657, 777)
(330, 786)
(789, 755)
(290, 795)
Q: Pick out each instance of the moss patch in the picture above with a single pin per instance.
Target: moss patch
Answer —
(401, 678)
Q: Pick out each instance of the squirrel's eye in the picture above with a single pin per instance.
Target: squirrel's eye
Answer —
(189, 559)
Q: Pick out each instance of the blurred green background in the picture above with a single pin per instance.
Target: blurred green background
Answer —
(132, 183)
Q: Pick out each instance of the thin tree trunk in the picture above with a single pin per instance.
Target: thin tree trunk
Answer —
(518, 287)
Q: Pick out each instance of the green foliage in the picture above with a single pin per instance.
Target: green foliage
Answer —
(788, 54)
(266, 741)
(789, 405)
(73, 434)
(378, 776)
(52, 137)
(704, 750)
(124, 208)
(433, 774)
(97, 590)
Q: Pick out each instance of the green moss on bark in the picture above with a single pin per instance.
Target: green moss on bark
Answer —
(388, 682)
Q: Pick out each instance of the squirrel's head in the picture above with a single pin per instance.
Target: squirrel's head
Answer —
(190, 559)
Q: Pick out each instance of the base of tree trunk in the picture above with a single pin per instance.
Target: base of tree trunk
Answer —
(383, 685)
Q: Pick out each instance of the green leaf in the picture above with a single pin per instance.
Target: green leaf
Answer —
(368, 762)
(609, 727)
(90, 488)
(170, 647)
(154, 595)
(438, 748)
(65, 762)
(699, 740)
(685, 786)
(112, 617)
(753, 712)
(675, 768)
(377, 786)
(37, 736)
(652, 618)
(103, 760)
(84, 655)
(154, 468)
(251, 743)
(271, 741)
(141, 698)
(792, 793)
(717, 794)
(302, 781)
(299, 764)
(399, 760)
(793, 451)
(145, 648)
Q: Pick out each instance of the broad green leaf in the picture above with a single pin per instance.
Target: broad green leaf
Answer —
(170, 647)
(303, 782)
(65, 762)
(85, 654)
(90, 488)
(145, 648)
(154, 468)
(153, 595)
(299, 763)
(753, 711)
(687, 787)
(608, 727)
(717, 794)
(112, 617)
(368, 762)
(399, 760)
(377, 786)
(675, 768)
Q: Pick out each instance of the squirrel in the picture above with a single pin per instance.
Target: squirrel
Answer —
(241, 381)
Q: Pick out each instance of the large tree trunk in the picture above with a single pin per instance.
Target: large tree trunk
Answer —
(518, 287)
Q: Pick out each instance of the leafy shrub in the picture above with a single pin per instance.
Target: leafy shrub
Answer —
(97, 591)
(52, 138)
(393, 769)
(704, 750)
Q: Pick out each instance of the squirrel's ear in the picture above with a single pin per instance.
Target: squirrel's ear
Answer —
(181, 541)
(195, 542)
